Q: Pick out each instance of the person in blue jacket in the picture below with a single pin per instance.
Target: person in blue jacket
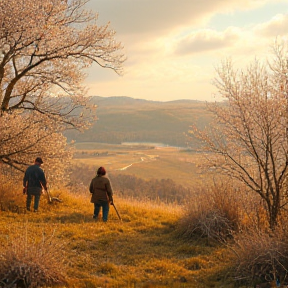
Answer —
(34, 182)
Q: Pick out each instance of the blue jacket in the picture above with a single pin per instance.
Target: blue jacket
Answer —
(34, 177)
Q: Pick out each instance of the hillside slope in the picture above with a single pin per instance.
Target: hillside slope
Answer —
(142, 249)
(124, 119)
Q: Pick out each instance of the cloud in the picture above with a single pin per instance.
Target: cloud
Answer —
(140, 17)
(149, 28)
(146, 16)
(277, 26)
(173, 46)
(206, 40)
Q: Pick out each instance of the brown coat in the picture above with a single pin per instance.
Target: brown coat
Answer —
(101, 189)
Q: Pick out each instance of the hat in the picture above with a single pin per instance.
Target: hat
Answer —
(39, 160)
(101, 171)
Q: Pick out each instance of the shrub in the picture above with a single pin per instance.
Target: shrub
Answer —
(261, 256)
(30, 260)
(205, 222)
(214, 213)
(165, 190)
(10, 190)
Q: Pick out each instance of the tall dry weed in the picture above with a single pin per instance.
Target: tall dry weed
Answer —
(30, 258)
(10, 190)
(213, 212)
(261, 255)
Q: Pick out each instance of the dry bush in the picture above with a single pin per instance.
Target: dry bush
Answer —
(30, 260)
(260, 255)
(214, 213)
(165, 190)
(10, 190)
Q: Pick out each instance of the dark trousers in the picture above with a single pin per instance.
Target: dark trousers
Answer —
(105, 210)
(33, 192)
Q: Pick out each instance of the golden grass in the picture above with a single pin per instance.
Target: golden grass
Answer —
(142, 249)
(31, 256)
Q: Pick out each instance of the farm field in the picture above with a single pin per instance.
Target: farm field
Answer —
(143, 161)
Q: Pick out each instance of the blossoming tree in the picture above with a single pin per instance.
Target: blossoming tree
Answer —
(45, 47)
(248, 139)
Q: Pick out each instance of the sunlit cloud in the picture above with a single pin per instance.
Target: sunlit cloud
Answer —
(206, 40)
(277, 26)
(172, 46)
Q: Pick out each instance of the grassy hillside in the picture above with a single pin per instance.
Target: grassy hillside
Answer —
(124, 119)
(143, 250)
(156, 245)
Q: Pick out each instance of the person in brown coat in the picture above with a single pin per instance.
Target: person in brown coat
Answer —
(102, 194)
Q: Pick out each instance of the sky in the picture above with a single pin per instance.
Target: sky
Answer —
(174, 46)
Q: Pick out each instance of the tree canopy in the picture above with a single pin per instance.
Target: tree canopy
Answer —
(45, 47)
(248, 137)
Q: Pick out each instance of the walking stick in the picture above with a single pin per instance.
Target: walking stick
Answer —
(117, 211)
(49, 196)
(51, 199)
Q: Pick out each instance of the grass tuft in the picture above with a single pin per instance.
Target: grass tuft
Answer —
(29, 260)
(214, 214)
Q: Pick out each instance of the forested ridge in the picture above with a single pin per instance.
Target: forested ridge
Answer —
(125, 119)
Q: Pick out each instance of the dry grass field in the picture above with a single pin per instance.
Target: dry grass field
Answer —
(142, 250)
(64, 246)
(147, 161)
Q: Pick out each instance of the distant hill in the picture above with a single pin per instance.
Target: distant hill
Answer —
(125, 119)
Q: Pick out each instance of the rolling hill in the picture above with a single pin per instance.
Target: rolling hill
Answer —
(125, 119)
